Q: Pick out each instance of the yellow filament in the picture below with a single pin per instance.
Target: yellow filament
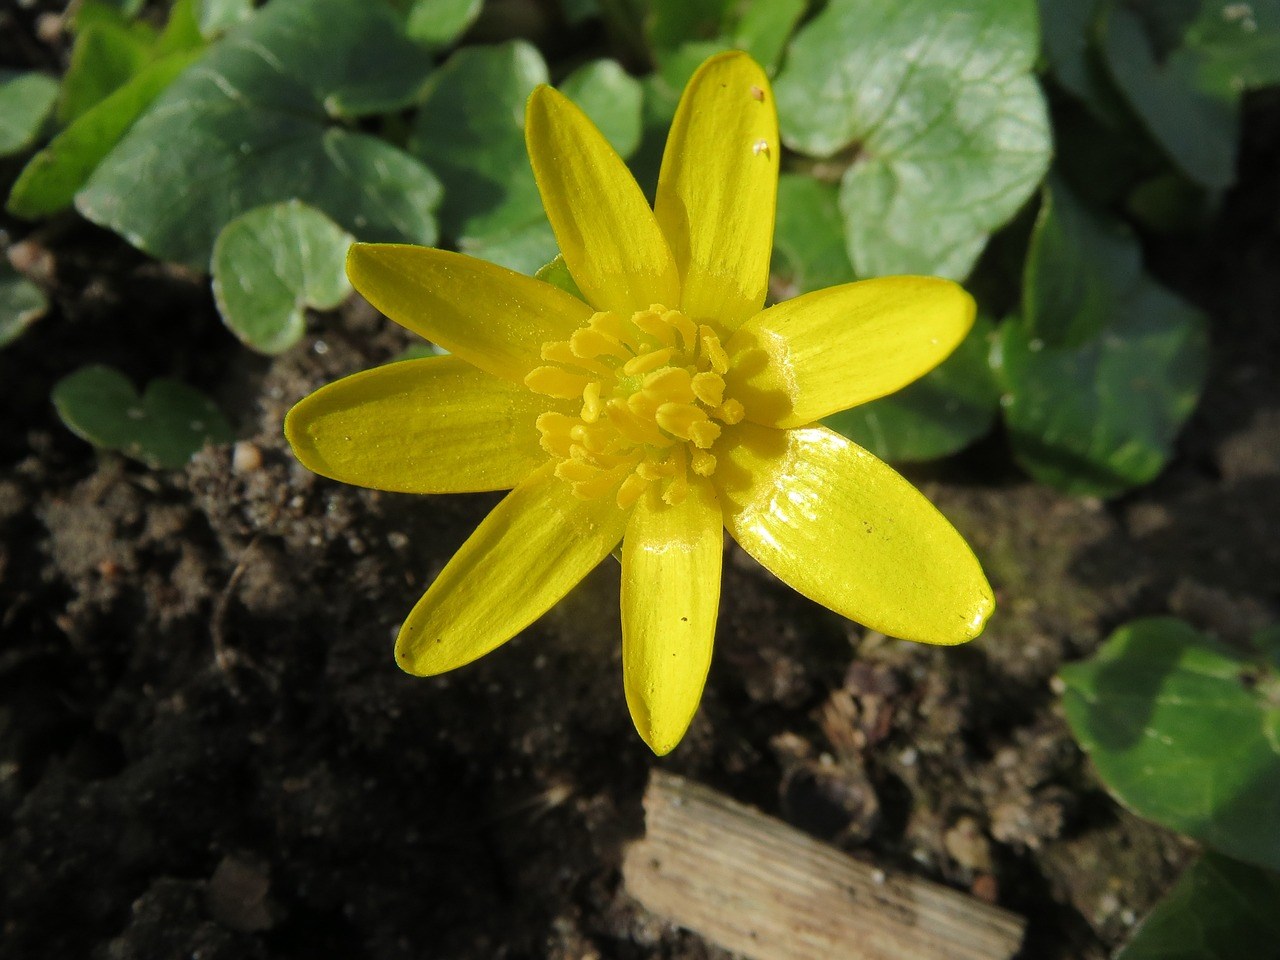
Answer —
(651, 389)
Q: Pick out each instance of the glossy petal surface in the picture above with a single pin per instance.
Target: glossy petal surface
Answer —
(436, 425)
(528, 553)
(491, 317)
(671, 559)
(607, 234)
(832, 349)
(718, 188)
(845, 530)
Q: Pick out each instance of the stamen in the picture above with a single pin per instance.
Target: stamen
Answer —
(670, 383)
(709, 388)
(647, 362)
(556, 382)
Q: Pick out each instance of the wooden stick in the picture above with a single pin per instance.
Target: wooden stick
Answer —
(755, 886)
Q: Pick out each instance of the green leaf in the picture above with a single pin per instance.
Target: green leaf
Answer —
(1080, 270)
(163, 428)
(1185, 733)
(25, 102)
(439, 23)
(270, 264)
(1237, 44)
(103, 59)
(1220, 909)
(1100, 417)
(470, 130)
(808, 241)
(218, 16)
(950, 128)
(670, 23)
(22, 303)
(938, 415)
(556, 273)
(764, 27)
(248, 126)
(1197, 128)
(611, 97)
(50, 180)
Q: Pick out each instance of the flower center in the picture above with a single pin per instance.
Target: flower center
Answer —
(652, 387)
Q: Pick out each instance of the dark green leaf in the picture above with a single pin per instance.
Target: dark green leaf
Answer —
(163, 428)
(951, 129)
(1080, 270)
(50, 180)
(1237, 44)
(670, 23)
(611, 97)
(1184, 733)
(439, 23)
(22, 303)
(1100, 417)
(1220, 909)
(247, 126)
(808, 244)
(270, 264)
(938, 415)
(25, 102)
(1196, 127)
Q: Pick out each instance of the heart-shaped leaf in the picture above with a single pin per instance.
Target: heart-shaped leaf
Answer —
(1185, 733)
(270, 264)
(439, 23)
(950, 128)
(163, 428)
(808, 243)
(1105, 366)
(249, 125)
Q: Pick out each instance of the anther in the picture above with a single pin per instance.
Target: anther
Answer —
(556, 382)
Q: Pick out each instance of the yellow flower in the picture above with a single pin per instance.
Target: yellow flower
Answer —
(666, 407)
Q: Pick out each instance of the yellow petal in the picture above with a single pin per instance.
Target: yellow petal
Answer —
(832, 349)
(491, 317)
(607, 234)
(436, 425)
(718, 189)
(670, 595)
(845, 530)
(528, 553)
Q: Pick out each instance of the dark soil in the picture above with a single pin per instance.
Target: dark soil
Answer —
(206, 749)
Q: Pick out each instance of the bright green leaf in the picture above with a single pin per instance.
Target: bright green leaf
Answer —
(248, 126)
(25, 102)
(1183, 732)
(1197, 128)
(938, 415)
(808, 244)
(950, 127)
(103, 59)
(1100, 417)
(22, 303)
(49, 181)
(439, 23)
(611, 97)
(270, 264)
(1220, 909)
(163, 428)
(470, 131)
(556, 273)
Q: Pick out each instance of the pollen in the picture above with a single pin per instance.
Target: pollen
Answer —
(653, 401)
